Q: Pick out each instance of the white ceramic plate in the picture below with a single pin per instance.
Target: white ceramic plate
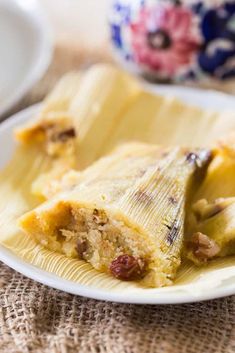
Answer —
(209, 286)
(25, 49)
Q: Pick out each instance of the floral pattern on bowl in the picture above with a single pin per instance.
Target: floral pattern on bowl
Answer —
(175, 40)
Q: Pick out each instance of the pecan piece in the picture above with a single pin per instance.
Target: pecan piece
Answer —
(127, 268)
(82, 246)
(203, 247)
(61, 136)
(67, 134)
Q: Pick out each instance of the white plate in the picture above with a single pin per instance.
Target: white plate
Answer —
(25, 49)
(212, 285)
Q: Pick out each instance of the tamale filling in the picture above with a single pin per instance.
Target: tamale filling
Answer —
(93, 236)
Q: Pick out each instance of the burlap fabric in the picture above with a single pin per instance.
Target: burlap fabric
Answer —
(35, 318)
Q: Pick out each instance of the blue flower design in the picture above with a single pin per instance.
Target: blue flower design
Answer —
(116, 35)
(218, 29)
(122, 17)
(123, 11)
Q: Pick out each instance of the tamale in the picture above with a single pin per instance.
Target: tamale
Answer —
(213, 231)
(220, 179)
(52, 132)
(54, 110)
(211, 220)
(78, 103)
(89, 114)
(125, 213)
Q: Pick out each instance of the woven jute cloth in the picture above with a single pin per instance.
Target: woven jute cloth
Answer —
(36, 318)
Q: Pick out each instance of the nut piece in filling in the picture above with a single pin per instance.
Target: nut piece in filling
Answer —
(212, 229)
(59, 139)
(202, 247)
(54, 132)
(56, 137)
(122, 216)
(82, 247)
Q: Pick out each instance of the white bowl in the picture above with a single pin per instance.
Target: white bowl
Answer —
(25, 49)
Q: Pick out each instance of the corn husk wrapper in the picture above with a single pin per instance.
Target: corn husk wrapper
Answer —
(131, 202)
(141, 116)
(213, 206)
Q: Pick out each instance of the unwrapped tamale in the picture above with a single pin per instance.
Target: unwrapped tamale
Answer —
(214, 230)
(210, 228)
(125, 213)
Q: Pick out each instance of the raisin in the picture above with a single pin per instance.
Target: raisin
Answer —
(127, 268)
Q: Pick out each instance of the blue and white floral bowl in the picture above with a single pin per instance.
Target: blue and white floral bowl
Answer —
(175, 40)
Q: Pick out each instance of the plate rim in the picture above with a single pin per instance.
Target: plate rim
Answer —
(38, 18)
(54, 281)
